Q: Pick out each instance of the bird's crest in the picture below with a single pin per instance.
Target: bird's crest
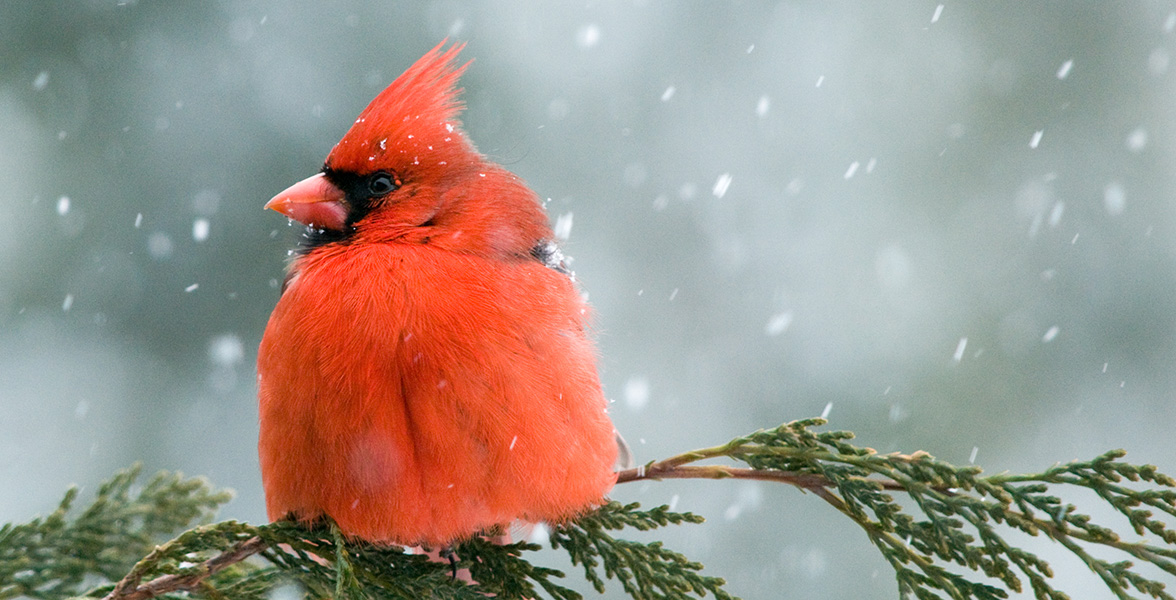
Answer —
(414, 121)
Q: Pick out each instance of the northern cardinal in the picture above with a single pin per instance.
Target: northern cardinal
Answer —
(427, 374)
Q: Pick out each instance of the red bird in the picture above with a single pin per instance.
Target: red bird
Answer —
(427, 374)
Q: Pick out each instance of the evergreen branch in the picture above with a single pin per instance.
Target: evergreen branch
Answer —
(129, 589)
(959, 509)
(952, 533)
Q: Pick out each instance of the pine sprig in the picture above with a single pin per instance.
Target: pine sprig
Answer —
(947, 538)
(109, 550)
(960, 512)
(51, 557)
(645, 571)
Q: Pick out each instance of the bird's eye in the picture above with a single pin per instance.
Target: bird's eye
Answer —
(381, 183)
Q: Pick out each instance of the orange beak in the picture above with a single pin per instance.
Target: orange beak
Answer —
(314, 201)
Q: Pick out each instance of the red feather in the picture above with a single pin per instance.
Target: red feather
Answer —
(425, 376)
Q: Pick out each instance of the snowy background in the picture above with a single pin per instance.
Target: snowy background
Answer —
(951, 228)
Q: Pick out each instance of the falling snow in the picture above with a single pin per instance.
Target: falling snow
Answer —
(67, 303)
(778, 323)
(200, 230)
(41, 81)
(721, 185)
(1064, 70)
(138, 220)
(637, 392)
(192, 288)
(63, 205)
(959, 351)
(1114, 199)
(938, 13)
(1137, 140)
(669, 93)
(588, 36)
(1055, 215)
(1033, 143)
(1050, 334)
(972, 457)
(226, 350)
(159, 245)
(828, 409)
(563, 226)
(763, 106)
(853, 167)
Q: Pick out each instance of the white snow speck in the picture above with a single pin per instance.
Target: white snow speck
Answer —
(673, 294)
(959, 351)
(972, 457)
(828, 409)
(897, 413)
(512, 442)
(820, 80)
(449, 127)
(563, 226)
(63, 205)
(637, 392)
(41, 81)
(1050, 334)
(1170, 22)
(226, 350)
(1114, 199)
(200, 230)
(779, 323)
(82, 409)
(192, 288)
(938, 13)
(721, 185)
(669, 93)
(674, 501)
(159, 245)
(138, 220)
(1036, 138)
(763, 106)
(1137, 140)
(1064, 70)
(1055, 215)
(588, 35)
(1157, 61)
(1105, 365)
(384, 144)
(750, 48)
(67, 303)
(540, 534)
(870, 165)
(794, 186)
(853, 167)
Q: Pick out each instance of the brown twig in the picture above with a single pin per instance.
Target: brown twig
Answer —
(129, 588)
(673, 469)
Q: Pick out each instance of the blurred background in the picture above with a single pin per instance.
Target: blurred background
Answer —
(948, 227)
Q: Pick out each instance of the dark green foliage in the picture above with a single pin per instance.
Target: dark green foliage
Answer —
(86, 554)
(960, 511)
(946, 539)
(54, 556)
(647, 571)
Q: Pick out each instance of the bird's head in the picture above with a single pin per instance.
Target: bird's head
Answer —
(406, 171)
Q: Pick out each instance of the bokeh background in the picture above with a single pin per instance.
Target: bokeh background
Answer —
(948, 227)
